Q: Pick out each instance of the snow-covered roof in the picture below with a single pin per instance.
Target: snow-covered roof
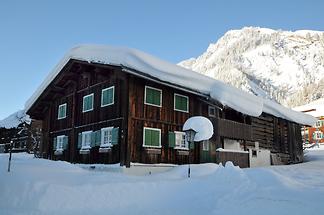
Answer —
(167, 72)
(314, 108)
(15, 119)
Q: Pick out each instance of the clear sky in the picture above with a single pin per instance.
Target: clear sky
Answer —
(35, 34)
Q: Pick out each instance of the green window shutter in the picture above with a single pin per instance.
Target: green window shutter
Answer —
(148, 137)
(153, 96)
(79, 140)
(155, 138)
(54, 143)
(192, 145)
(181, 103)
(115, 136)
(65, 142)
(171, 139)
(98, 138)
(107, 96)
(93, 139)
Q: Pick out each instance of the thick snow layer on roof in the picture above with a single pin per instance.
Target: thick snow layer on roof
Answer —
(314, 108)
(278, 110)
(164, 71)
(15, 119)
(201, 125)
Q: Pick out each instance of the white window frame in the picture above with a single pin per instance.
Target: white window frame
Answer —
(153, 88)
(319, 123)
(109, 144)
(177, 146)
(84, 145)
(113, 96)
(205, 145)
(84, 97)
(59, 143)
(174, 102)
(155, 129)
(58, 111)
(209, 108)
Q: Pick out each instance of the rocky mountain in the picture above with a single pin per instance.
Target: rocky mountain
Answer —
(285, 66)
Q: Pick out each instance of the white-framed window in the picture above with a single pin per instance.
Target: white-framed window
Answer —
(181, 103)
(211, 111)
(106, 137)
(59, 142)
(87, 103)
(205, 145)
(180, 140)
(61, 113)
(317, 135)
(153, 96)
(152, 137)
(107, 96)
(319, 123)
(86, 140)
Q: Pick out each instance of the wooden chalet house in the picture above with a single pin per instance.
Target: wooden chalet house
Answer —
(105, 104)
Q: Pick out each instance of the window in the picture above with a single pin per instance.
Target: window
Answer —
(106, 137)
(86, 140)
(107, 96)
(205, 145)
(60, 143)
(152, 137)
(319, 123)
(181, 103)
(317, 135)
(211, 111)
(61, 113)
(180, 140)
(88, 103)
(153, 96)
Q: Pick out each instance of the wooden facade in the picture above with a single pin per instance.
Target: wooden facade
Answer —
(131, 115)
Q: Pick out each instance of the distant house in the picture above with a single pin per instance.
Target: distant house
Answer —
(315, 133)
(19, 129)
(104, 104)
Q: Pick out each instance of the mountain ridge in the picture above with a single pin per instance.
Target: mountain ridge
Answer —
(282, 65)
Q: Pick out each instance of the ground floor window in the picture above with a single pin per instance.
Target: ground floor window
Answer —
(106, 137)
(205, 145)
(152, 137)
(180, 140)
(60, 143)
(86, 140)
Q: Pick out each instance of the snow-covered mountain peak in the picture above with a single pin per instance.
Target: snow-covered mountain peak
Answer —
(283, 65)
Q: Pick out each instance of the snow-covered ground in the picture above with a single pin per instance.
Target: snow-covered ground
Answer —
(38, 186)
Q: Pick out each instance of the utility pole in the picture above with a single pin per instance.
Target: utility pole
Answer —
(11, 142)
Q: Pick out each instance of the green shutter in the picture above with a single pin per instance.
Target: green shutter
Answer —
(191, 145)
(148, 137)
(65, 142)
(93, 139)
(115, 136)
(54, 143)
(107, 96)
(79, 140)
(98, 138)
(153, 96)
(181, 103)
(155, 138)
(172, 139)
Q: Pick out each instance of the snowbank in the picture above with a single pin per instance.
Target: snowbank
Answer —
(133, 60)
(38, 186)
(15, 119)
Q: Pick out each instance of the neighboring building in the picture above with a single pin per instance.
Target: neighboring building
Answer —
(19, 129)
(313, 134)
(105, 104)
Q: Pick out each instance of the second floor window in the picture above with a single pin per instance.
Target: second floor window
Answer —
(107, 96)
(153, 96)
(88, 103)
(61, 113)
(181, 103)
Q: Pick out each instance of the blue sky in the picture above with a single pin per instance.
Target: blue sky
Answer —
(34, 35)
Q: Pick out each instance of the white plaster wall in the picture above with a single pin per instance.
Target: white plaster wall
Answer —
(262, 158)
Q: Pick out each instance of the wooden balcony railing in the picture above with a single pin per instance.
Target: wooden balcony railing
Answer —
(235, 130)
